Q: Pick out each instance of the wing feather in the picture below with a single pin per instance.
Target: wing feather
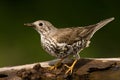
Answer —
(74, 34)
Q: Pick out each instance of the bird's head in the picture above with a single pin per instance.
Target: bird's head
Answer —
(41, 26)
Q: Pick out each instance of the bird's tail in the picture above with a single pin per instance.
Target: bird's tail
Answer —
(97, 26)
(103, 23)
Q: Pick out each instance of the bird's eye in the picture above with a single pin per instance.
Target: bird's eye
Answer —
(40, 24)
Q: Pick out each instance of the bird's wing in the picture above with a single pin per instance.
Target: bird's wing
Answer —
(71, 35)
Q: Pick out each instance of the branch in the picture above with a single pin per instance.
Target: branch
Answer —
(85, 69)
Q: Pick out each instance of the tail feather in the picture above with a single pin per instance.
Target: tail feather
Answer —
(96, 27)
(103, 23)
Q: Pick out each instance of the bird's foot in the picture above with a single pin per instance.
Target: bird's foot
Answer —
(70, 68)
(53, 67)
(56, 65)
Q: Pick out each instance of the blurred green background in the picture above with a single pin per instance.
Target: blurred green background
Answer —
(20, 45)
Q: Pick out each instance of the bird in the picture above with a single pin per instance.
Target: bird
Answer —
(64, 42)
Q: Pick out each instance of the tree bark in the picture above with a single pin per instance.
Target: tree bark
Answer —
(84, 69)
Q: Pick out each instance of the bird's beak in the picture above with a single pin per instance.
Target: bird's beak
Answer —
(29, 24)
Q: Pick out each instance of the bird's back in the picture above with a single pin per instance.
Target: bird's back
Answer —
(72, 35)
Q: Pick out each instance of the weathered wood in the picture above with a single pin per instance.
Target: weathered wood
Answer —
(85, 69)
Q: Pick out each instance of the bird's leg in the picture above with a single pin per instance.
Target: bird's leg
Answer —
(56, 65)
(70, 68)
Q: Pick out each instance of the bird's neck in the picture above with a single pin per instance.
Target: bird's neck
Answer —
(47, 32)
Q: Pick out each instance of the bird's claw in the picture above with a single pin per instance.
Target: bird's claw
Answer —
(55, 66)
(70, 68)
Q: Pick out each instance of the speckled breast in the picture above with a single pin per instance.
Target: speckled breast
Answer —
(61, 50)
